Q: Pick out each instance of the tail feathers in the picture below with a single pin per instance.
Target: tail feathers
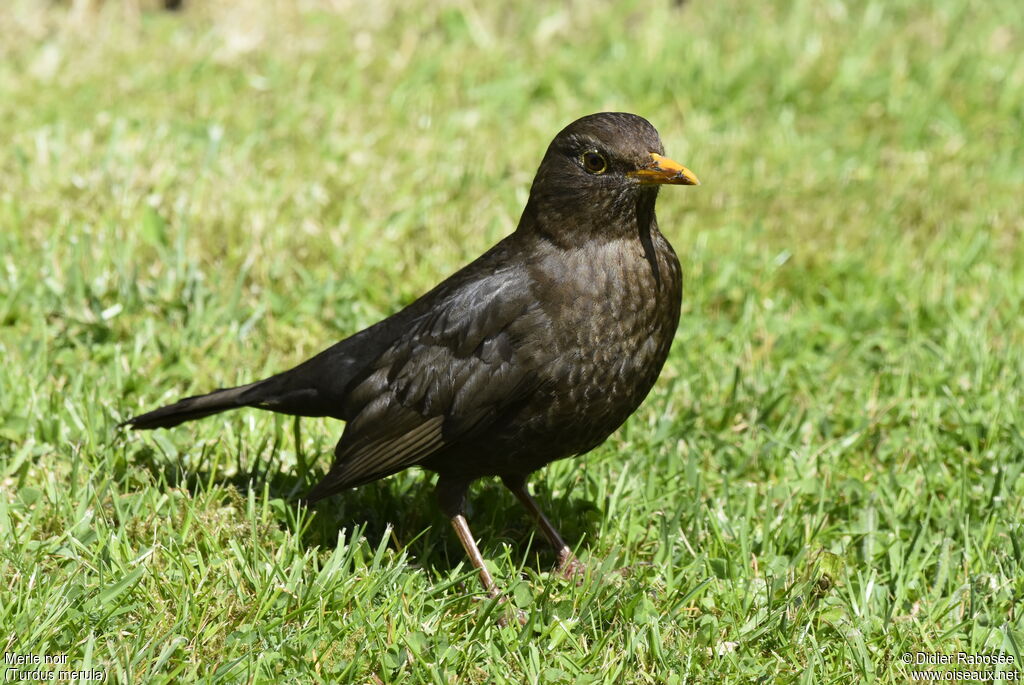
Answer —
(192, 408)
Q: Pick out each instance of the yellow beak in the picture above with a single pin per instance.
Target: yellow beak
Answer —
(665, 170)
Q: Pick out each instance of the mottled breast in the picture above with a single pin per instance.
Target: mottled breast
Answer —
(614, 310)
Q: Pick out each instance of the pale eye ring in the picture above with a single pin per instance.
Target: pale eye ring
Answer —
(593, 162)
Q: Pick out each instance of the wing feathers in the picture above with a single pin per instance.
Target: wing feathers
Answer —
(456, 369)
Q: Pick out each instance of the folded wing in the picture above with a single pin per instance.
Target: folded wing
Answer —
(455, 372)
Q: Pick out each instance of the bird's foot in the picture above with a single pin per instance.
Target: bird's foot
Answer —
(569, 567)
(511, 616)
(508, 613)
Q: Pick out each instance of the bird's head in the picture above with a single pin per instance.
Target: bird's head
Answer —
(601, 173)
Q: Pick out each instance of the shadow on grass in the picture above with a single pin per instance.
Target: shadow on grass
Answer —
(403, 503)
(406, 503)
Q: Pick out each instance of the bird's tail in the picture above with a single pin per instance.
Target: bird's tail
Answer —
(197, 407)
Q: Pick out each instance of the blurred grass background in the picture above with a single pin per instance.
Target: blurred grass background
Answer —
(827, 475)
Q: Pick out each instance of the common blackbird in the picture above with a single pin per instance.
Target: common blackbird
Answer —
(537, 350)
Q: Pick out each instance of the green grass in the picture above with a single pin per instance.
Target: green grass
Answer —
(827, 475)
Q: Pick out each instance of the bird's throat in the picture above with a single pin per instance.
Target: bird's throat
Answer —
(569, 220)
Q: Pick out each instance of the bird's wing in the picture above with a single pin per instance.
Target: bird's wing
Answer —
(456, 370)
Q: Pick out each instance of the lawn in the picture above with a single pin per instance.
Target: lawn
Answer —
(827, 476)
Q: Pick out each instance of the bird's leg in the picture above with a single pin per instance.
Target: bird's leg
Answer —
(451, 496)
(477, 559)
(568, 564)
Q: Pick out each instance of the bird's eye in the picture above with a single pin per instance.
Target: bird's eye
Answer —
(594, 162)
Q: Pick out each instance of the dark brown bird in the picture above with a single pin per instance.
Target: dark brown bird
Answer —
(536, 351)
